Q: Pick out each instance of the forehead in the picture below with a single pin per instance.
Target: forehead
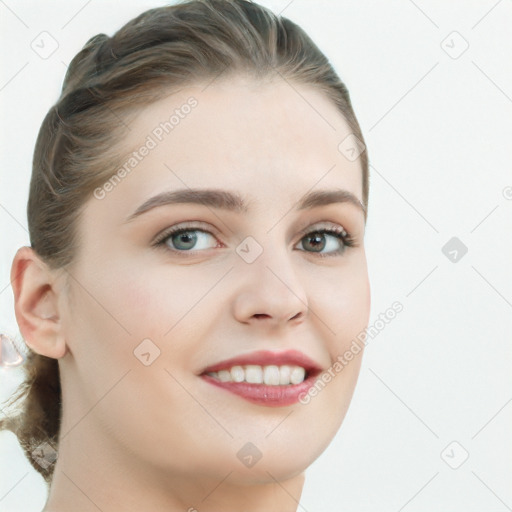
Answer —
(271, 140)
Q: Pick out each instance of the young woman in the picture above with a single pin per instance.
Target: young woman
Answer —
(197, 274)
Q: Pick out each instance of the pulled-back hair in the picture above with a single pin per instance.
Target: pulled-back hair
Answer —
(159, 51)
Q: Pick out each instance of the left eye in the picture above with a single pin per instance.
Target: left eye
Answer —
(340, 239)
(186, 238)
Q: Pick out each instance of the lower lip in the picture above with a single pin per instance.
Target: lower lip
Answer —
(262, 394)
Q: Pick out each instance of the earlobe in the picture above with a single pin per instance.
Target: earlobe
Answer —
(36, 304)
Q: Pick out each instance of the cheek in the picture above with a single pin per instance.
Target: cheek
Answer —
(112, 310)
(173, 307)
(146, 303)
(343, 304)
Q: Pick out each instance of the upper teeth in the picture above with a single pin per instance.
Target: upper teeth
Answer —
(270, 375)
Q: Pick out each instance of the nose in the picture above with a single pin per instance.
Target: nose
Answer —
(270, 291)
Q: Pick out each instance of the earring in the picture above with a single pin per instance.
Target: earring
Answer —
(11, 354)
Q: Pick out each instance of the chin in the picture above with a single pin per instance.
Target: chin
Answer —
(264, 473)
(281, 458)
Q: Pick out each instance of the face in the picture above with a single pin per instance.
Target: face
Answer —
(259, 286)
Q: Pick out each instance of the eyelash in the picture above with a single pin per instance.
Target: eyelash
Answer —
(338, 232)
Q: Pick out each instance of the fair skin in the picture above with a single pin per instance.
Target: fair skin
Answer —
(158, 437)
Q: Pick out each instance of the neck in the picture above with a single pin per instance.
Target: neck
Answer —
(90, 476)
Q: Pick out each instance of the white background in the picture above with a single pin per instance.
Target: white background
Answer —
(438, 132)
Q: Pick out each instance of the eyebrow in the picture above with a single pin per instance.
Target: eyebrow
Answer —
(232, 201)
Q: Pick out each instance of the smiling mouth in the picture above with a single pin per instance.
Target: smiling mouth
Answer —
(279, 379)
(270, 375)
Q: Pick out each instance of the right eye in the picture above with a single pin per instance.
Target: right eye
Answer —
(185, 239)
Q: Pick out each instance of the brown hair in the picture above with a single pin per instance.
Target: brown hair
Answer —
(162, 49)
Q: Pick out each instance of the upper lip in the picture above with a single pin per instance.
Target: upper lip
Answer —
(266, 358)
